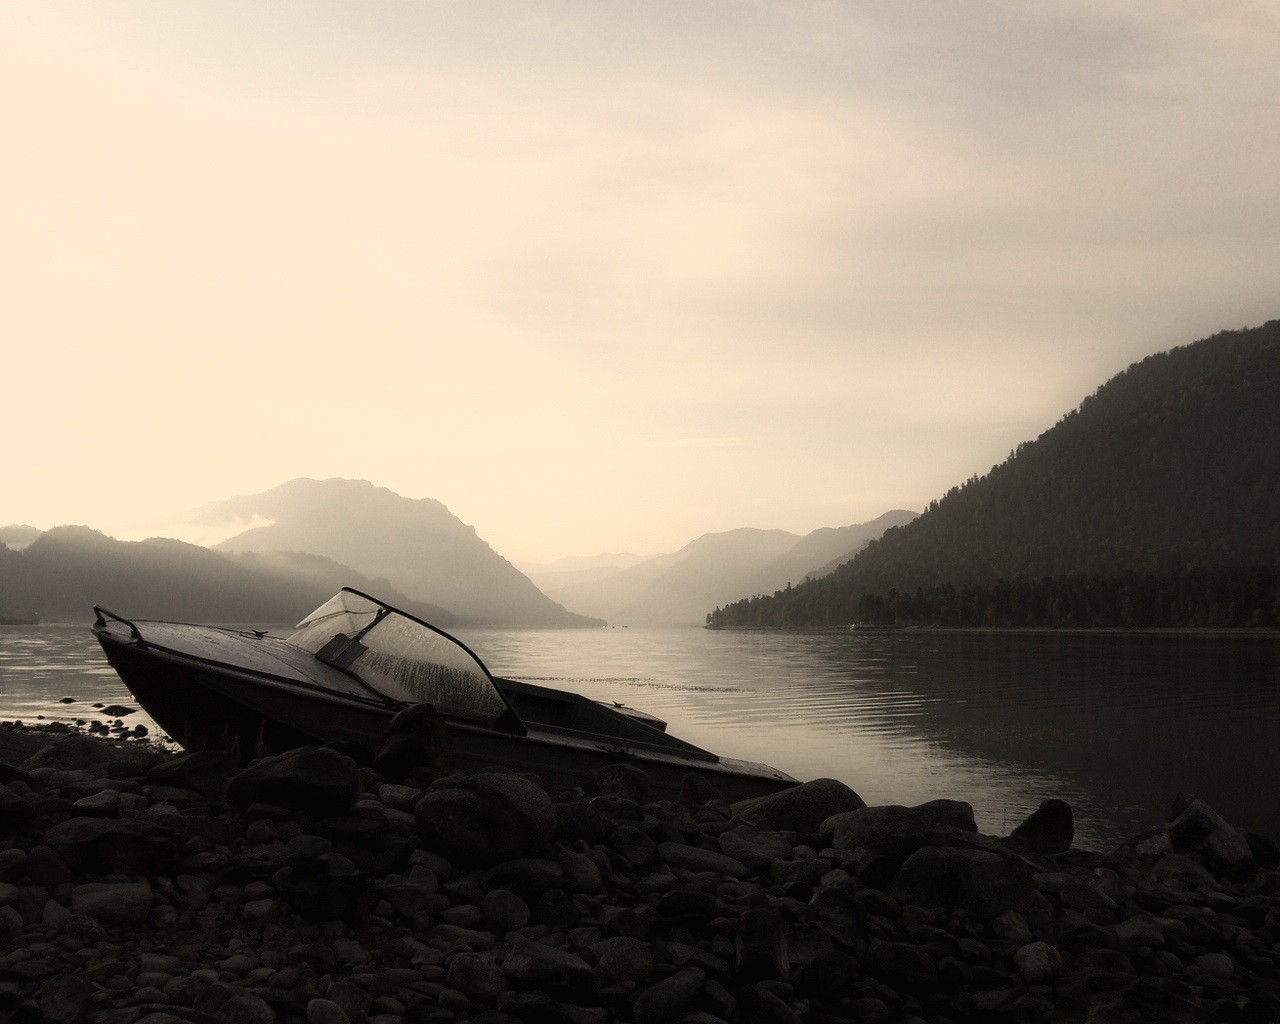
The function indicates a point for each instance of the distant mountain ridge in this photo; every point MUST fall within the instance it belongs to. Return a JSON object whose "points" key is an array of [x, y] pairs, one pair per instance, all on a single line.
{"points": [[607, 561], [819, 552], [679, 588], [417, 544], [16, 537], [1161, 487], [299, 542], [65, 571]]}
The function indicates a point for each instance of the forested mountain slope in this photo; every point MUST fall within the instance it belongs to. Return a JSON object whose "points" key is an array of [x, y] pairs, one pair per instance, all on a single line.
{"points": [[1153, 502]]}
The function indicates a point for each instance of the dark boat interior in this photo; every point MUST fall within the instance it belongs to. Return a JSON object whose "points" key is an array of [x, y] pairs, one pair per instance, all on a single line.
{"points": [[577, 715]]}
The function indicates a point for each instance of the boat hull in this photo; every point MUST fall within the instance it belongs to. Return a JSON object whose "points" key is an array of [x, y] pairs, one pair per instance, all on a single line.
{"points": [[204, 705]]}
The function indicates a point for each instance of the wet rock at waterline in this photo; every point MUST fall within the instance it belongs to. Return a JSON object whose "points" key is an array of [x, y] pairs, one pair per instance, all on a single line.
{"points": [[72, 752], [801, 809], [1197, 830], [152, 896], [1048, 829]]}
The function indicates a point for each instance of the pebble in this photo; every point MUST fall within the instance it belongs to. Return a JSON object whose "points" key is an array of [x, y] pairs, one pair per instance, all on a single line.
{"points": [[1216, 965], [326, 1011], [667, 1000], [538, 965], [476, 976], [1038, 963]]}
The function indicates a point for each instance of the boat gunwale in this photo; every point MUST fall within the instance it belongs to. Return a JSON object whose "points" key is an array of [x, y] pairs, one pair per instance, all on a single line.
{"points": [[538, 732], [381, 701], [539, 735]]}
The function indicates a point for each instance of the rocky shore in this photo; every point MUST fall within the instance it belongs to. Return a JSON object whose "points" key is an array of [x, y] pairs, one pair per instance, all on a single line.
{"points": [[139, 885]]}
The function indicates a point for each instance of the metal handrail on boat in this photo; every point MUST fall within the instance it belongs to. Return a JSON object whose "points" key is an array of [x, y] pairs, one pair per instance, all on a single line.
{"points": [[102, 614]]}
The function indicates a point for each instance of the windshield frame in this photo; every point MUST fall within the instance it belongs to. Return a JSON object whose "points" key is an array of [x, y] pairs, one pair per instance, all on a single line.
{"points": [[507, 721]]}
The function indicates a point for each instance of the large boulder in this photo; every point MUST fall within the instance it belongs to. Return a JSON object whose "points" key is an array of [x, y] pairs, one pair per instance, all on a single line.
{"points": [[74, 752], [313, 779], [757, 849], [760, 946], [537, 965], [326, 887], [800, 809], [893, 832], [698, 858], [66, 999], [624, 780], [669, 998], [416, 743], [204, 771], [980, 883], [125, 904], [947, 814], [1047, 830], [586, 820], [1198, 831], [104, 846], [1265, 851], [12, 773], [14, 810], [487, 818]]}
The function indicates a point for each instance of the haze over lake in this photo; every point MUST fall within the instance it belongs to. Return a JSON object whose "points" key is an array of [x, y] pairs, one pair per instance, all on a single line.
{"points": [[1115, 723]]}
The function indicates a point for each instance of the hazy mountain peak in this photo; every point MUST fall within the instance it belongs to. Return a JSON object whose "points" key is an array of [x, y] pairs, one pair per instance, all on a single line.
{"points": [[334, 496], [16, 537], [679, 588], [742, 536], [417, 544], [68, 570], [72, 535]]}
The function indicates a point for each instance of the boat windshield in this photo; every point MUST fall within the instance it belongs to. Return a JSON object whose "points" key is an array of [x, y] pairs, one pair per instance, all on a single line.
{"points": [[400, 657]]}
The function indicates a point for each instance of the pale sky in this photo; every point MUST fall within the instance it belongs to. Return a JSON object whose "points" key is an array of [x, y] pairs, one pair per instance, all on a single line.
{"points": [[607, 276]]}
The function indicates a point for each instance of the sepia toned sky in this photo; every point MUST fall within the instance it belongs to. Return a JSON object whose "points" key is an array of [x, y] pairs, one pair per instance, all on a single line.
{"points": [[606, 276]]}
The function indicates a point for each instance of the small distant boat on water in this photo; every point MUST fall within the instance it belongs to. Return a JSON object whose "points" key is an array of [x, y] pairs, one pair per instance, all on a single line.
{"points": [[355, 662]]}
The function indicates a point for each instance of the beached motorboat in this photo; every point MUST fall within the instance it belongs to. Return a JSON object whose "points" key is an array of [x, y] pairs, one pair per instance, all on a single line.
{"points": [[351, 665]]}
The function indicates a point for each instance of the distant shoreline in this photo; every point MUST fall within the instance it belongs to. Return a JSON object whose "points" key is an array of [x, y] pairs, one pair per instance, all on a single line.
{"points": [[1206, 631]]}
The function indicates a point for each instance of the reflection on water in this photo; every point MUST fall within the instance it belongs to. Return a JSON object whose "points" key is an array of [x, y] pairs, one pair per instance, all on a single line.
{"points": [[42, 665], [1114, 723]]}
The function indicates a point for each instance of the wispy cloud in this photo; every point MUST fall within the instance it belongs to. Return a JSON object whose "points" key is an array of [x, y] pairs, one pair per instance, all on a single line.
{"points": [[206, 534]]}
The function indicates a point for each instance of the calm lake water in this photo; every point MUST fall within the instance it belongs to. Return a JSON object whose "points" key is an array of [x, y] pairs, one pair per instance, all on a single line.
{"points": [[1114, 723]]}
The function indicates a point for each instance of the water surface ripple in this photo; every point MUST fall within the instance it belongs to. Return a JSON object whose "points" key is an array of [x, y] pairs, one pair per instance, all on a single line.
{"points": [[1115, 723]]}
